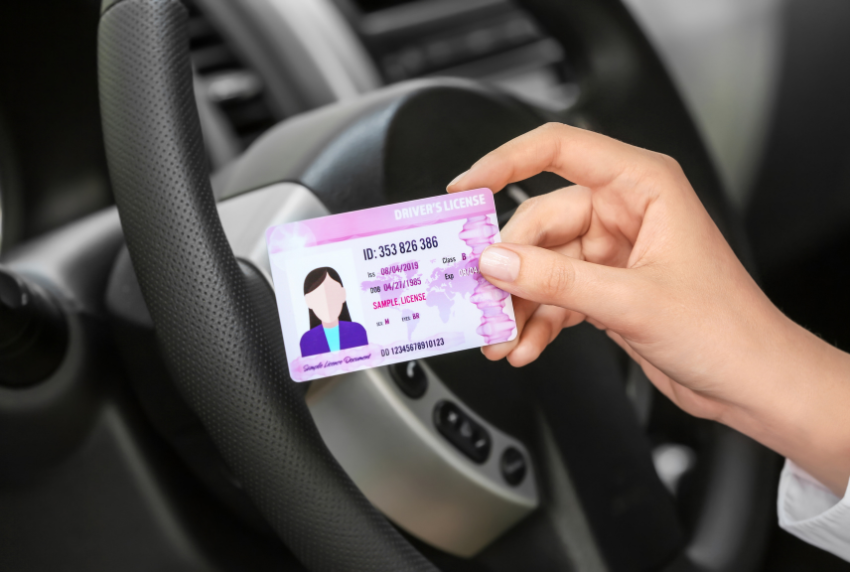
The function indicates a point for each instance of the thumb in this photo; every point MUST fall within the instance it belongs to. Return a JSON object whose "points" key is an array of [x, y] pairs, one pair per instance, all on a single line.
{"points": [[603, 293]]}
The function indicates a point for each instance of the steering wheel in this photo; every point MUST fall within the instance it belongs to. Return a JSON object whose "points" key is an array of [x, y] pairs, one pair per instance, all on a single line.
{"points": [[216, 320]]}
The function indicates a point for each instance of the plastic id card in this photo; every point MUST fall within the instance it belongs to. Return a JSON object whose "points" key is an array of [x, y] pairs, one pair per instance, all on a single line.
{"points": [[388, 284]]}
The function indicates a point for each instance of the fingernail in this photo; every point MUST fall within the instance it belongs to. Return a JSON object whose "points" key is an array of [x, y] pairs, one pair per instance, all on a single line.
{"points": [[456, 179], [499, 263]]}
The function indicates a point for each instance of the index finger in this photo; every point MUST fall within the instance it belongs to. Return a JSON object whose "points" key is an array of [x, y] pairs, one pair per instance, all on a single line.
{"points": [[583, 157], [552, 219]]}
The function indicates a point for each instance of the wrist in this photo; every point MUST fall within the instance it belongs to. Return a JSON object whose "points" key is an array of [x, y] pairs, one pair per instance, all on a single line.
{"points": [[798, 393]]}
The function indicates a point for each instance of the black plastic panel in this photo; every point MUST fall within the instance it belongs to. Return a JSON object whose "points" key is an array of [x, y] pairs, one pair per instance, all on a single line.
{"points": [[462, 431]]}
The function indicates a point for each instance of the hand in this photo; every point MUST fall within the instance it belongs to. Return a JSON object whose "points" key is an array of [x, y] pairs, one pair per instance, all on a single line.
{"points": [[631, 249]]}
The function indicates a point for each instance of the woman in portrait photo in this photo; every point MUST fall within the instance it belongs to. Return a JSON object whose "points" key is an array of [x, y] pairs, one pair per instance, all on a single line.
{"points": [[331, 328]]}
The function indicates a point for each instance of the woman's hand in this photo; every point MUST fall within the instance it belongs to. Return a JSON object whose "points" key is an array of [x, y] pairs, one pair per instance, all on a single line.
{"points": [[631, 249]]}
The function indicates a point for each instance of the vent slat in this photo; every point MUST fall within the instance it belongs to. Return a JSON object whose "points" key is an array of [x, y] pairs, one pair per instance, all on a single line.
{"points": [[226, 81]]}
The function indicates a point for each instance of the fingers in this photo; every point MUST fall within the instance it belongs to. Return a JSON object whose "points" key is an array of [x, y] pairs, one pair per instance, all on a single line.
{"points": [[543, 327], [523, 310], [565, 221], [583, 157], [536, 326], [552, 219], [537, 332], [603, 293]]}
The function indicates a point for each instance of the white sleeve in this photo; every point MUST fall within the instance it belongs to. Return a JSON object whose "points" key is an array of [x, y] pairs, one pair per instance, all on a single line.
{"points": [[811, 512]]}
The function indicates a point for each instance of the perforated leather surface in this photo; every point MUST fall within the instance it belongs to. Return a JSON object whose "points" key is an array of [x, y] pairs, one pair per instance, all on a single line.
{"points": [[218, 328]]}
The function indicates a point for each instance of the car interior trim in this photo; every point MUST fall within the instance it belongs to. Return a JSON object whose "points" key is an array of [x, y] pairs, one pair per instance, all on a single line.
{"points": [[331, 44], [399, 18], [409, 470]]}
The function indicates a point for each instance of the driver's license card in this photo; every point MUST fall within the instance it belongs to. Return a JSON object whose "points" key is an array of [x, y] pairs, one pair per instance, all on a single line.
{"points": [[388, 284]]}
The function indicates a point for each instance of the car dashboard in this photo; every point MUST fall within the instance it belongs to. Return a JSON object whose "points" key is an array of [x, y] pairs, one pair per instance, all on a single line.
{"points": [[259, 61]]}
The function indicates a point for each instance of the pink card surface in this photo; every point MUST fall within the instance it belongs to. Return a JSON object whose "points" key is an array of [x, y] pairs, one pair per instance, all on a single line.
{"points": [[388, 284]]}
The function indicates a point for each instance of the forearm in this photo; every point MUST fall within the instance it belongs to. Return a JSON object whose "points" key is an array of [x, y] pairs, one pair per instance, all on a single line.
{"points": [[802, 407]]}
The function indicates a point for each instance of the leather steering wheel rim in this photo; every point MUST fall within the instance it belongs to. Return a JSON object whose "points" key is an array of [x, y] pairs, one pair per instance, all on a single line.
{"points": [[216, 321], [216, 327]]}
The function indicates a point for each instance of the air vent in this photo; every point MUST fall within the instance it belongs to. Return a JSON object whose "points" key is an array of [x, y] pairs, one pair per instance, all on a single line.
{"points": [[488, 40], [461, 46], [226, 82]]}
